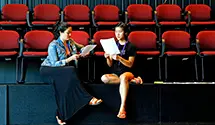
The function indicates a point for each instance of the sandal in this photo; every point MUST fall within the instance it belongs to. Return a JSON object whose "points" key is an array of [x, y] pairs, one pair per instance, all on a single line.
{"points": [[59, 121], [122, 115], [94, 101], [137, 80]]}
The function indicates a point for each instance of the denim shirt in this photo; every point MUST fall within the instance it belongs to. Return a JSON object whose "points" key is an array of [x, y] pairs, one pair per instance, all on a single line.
{"points": [[57, 53]]}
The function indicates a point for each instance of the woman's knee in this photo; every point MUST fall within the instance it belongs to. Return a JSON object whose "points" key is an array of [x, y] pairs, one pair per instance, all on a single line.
{"points": [[126, 76], [105, 79]]}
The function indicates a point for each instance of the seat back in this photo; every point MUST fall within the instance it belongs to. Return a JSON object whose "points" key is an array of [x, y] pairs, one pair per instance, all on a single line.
{"points": [[168, 12], [46, 12], [206, 40], [38, 39], [199, 12], [143, 40], [14, 12], [176, 39], [139, 12], [103, 34], [76, 12], [106, 13], [9, 40], [81, 37]]}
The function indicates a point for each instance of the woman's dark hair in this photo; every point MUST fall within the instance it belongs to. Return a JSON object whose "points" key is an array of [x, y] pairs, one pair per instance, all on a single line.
{"points": [[124, 27], [59, 27]]}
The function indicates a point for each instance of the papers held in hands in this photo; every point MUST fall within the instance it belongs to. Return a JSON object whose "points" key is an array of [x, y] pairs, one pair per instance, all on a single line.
{"points": [[87, 49], [109, 46]]}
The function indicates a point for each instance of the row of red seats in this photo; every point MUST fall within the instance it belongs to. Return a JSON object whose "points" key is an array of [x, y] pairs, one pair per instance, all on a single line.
{"points": [[174, 43], [106, 15]]}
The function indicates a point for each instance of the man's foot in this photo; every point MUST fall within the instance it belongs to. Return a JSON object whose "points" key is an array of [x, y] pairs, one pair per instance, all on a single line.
{"points": [[137, 80], [122, 115], [59, 121], [95, 101]]}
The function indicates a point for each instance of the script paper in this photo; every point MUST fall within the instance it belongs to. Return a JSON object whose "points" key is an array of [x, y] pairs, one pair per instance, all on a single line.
{"points": [[87, 49], [109, 46]]}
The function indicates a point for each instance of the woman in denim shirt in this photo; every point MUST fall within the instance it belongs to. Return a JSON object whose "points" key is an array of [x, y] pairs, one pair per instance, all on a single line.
{"points": [[57, 55], [70, 95]]}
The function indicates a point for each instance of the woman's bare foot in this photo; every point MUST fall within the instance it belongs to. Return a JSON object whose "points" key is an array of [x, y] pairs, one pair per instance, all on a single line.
{"points": [[59, 121], [95, 101], [137, 80]]}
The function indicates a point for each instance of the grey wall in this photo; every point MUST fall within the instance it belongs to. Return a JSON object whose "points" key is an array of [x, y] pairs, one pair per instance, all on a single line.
{"points": [[7, 72], [3, 104]]}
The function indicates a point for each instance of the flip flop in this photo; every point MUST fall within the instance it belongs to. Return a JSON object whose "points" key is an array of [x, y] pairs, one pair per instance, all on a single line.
{"points": [[140, 79], [59, 121], [137, 80], [122, 115], [94, 101]]}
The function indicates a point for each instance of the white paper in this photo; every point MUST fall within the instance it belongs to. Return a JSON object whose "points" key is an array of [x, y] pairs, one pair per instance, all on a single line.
{"points": [[87, 49], [109, 46]]}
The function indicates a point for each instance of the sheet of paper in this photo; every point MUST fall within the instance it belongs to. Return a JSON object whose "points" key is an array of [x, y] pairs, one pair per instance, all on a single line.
{"points": [[87, 49], [109, 46]]}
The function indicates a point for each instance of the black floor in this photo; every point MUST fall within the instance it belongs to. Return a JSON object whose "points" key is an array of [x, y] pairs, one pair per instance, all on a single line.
{"points": [[160, 124]]}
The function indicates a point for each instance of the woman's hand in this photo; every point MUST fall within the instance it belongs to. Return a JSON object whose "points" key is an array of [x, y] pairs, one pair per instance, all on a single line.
{"points": [[115, 57], [108, 59], [106, 55], [84, 55], [73, 57]]}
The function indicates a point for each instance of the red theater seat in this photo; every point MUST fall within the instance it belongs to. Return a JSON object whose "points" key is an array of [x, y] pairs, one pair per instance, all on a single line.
{"points": [[98, 51], [105, 16], [146, 44], [177, 44], [104, 34], [199, 14], [81, 37], [34, 45], [9, 46], [206, 46], [169, 16], [199, 18], [14, 16], [44, 16], [139, 16], [76, 15], [9, 43]]}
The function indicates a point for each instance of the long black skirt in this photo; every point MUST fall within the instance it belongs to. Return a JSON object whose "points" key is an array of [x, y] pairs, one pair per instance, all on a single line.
{"points": [[69, 93]]}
